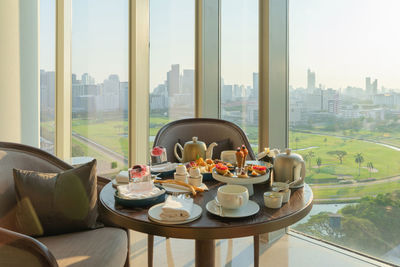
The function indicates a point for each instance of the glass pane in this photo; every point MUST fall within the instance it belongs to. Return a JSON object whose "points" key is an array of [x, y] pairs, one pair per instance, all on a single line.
{"points": [[47, 74], [99, 83], [171, 62], [239, 65], [344, 119]]}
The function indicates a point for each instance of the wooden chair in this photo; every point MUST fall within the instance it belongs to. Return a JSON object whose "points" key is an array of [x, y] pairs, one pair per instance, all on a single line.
{"points": [[208, 131]]}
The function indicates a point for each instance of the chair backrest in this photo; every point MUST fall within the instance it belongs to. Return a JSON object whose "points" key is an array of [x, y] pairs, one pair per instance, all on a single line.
{"points": [[26, 158], [207, 130]]}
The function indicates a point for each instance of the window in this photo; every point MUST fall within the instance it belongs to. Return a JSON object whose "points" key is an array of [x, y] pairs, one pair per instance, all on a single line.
{"points": [[100, 83], [171, 62], [47, 75], [344, 120], [239, 65]]}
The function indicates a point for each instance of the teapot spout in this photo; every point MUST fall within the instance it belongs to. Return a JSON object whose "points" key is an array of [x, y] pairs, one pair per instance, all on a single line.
{"points": [[210, 149]]}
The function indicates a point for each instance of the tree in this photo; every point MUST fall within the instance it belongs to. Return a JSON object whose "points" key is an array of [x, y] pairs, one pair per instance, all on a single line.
{"points": [[359, 159], [338, 153], [325, 140], [310, 155], [319, 162], [370, 167]]}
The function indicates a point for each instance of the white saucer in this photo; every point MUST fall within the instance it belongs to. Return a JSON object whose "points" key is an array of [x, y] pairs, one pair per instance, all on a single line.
{"points": [[115, 183], [155, 211], [180, 189], [250, 209]]}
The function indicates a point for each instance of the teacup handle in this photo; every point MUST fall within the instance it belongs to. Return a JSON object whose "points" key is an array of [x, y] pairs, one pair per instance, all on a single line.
{"points": [[241, 201]]}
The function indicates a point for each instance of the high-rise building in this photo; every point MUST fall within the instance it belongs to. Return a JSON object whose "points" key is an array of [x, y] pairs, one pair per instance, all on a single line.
{"points": [[371, 88], [310, 80], [375, 87], [255, 85], [368, 85], [173, 80], [227, 93], [188, 82]]}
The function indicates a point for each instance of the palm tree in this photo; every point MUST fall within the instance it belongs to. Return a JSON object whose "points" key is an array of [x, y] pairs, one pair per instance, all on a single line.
{"points": [[370, 167], [325, 140], [359, 159], [310, 155], [319, 162]]}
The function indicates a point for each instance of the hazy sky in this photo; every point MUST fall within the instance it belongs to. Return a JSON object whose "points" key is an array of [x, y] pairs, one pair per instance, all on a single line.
{"points": [[343, 41]]}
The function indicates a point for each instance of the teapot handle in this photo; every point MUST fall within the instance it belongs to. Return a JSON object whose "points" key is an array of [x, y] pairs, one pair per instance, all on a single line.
{"points": [[176, 152], [303, 172]]}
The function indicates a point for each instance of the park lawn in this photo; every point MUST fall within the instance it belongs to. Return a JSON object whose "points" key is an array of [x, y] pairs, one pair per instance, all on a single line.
{"points": [[109, 133], [386, 160], [87, 151], [358, 191]]}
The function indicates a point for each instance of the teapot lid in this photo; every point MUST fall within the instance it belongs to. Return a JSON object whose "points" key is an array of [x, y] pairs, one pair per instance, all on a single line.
{"points": [[195, 141]]}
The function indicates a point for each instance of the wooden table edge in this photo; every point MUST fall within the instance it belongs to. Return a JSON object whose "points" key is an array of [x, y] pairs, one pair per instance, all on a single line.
{"points": [[200, 233]]}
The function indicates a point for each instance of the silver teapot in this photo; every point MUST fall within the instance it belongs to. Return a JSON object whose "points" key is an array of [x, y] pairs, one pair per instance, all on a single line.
{"points": [[289, 168]]}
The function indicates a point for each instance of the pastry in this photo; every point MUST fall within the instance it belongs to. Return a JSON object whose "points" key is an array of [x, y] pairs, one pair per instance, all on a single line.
{"points": [[239, 157], [243, 175], [221, 168], [253, 173], [260, 169], [228, 174], [192, 188], [245, 153], [209, 161]]}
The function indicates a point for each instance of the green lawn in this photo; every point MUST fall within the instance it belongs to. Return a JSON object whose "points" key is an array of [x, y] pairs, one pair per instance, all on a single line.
{"points": [[385, 160]]}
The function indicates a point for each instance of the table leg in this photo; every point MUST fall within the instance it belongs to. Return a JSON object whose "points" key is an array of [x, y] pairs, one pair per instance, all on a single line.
{"points": [[150, 245], [256, 241], [205, 253]]}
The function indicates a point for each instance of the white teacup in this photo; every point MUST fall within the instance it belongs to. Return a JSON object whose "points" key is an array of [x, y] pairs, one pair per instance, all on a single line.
{"points": [[232, 196], [228, 156]]}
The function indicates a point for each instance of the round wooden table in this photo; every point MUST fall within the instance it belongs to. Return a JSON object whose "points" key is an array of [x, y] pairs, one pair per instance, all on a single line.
{"points": [[210, 227]]}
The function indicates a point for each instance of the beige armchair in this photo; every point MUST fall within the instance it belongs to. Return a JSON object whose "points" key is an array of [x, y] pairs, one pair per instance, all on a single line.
{"points": [[108, 246]]}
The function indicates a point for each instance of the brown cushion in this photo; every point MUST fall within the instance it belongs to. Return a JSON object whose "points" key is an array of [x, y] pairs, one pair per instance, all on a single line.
{"points": [[101, 247], [55, 203]]}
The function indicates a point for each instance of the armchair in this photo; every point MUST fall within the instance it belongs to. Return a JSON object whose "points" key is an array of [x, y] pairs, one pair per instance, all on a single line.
{"points": [[106, 246]]}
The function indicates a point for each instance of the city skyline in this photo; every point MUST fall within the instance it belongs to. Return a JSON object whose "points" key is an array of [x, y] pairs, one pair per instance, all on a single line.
{"points": [[341, 52]]}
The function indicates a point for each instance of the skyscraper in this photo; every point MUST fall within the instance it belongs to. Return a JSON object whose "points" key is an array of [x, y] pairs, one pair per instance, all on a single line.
{"points": [[310, 80], [368, 85], [173, 80], [371, 88], [255, 85]]}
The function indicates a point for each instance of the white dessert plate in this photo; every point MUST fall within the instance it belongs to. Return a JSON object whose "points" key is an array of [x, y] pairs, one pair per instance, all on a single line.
{"points": [[250, 209], [155, 211], [242, 181], [180, 189]]}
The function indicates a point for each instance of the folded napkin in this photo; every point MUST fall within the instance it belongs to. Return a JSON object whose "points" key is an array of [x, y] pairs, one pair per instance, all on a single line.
{"points": [[176, 209], [164, 167], [127, 192], [122, 177]]}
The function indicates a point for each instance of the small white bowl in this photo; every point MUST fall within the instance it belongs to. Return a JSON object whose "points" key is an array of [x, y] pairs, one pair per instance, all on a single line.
{"points": [[181, 178], [273, 200], [279, 186], [196, 181]]}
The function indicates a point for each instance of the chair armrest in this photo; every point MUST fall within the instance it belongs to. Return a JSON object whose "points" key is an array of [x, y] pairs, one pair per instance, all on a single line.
{"points": [[16, 249], [101, 182]]}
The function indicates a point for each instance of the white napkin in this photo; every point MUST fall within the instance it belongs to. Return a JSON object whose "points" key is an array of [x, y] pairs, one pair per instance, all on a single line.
{"points": [[122, 177], [164, 167], [176, 209], [126, 192]]}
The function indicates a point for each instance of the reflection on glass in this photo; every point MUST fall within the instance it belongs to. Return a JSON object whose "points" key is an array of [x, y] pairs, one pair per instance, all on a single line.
{"points": [[47, 75], [239, 65], [99, 83], [344, 120], [171, 62]]}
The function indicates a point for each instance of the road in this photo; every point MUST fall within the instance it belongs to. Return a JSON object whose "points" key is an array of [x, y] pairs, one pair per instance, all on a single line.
{"points": [[380, 181], [102, 149]]}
